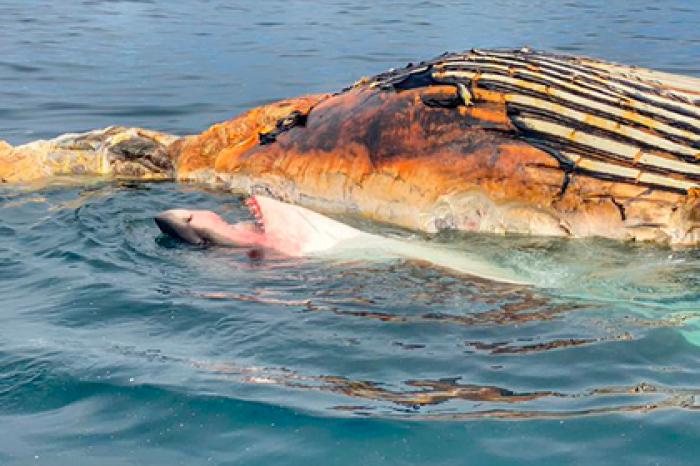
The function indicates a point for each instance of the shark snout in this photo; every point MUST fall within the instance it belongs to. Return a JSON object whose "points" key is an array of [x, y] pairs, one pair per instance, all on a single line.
{"points": [[176, 223]]}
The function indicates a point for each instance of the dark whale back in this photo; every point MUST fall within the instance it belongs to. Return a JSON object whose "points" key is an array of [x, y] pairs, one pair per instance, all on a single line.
{"points": [[485, 140]]}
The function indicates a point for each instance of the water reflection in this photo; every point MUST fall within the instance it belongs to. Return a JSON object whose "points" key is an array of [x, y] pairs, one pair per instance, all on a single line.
{"points": [[100, 316]]}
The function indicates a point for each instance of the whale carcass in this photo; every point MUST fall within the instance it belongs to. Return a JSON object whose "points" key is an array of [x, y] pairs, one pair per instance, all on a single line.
{"points": [[501, 141]]}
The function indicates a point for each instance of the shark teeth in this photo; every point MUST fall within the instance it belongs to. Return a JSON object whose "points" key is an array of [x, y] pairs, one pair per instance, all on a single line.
{"points": [[256, 212]]}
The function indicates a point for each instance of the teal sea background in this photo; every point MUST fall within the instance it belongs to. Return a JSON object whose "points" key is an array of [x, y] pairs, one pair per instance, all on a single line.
{"points": [[119, 346]]}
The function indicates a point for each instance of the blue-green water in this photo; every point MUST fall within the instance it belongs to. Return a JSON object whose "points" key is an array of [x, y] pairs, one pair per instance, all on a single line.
{"points": [[119, 346], [122, 346]]}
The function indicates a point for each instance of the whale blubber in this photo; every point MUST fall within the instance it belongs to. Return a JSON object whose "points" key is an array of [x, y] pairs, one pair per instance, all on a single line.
{"points": [[500, 141]]}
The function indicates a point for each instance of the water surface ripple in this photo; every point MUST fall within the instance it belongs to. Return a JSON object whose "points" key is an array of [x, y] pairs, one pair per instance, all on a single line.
{"points": [[113, 331], [119, 346]]}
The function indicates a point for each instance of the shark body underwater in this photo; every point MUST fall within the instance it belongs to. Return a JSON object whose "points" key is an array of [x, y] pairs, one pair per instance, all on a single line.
{"points": [[295, 231], [496, 141]]}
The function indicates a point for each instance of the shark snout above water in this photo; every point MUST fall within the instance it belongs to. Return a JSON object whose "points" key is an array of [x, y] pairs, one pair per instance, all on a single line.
{"points": [[176, 223]]}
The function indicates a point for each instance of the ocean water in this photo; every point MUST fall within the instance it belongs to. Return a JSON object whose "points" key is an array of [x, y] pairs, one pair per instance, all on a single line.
{"points": [[119, 346]]}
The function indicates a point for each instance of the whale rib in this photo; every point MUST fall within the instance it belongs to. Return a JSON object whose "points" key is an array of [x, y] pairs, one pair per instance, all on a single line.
{"points": [[605, 121]]}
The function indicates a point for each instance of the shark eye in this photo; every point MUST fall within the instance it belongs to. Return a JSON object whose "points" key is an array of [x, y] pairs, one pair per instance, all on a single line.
{"points": [[189, 219]]}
